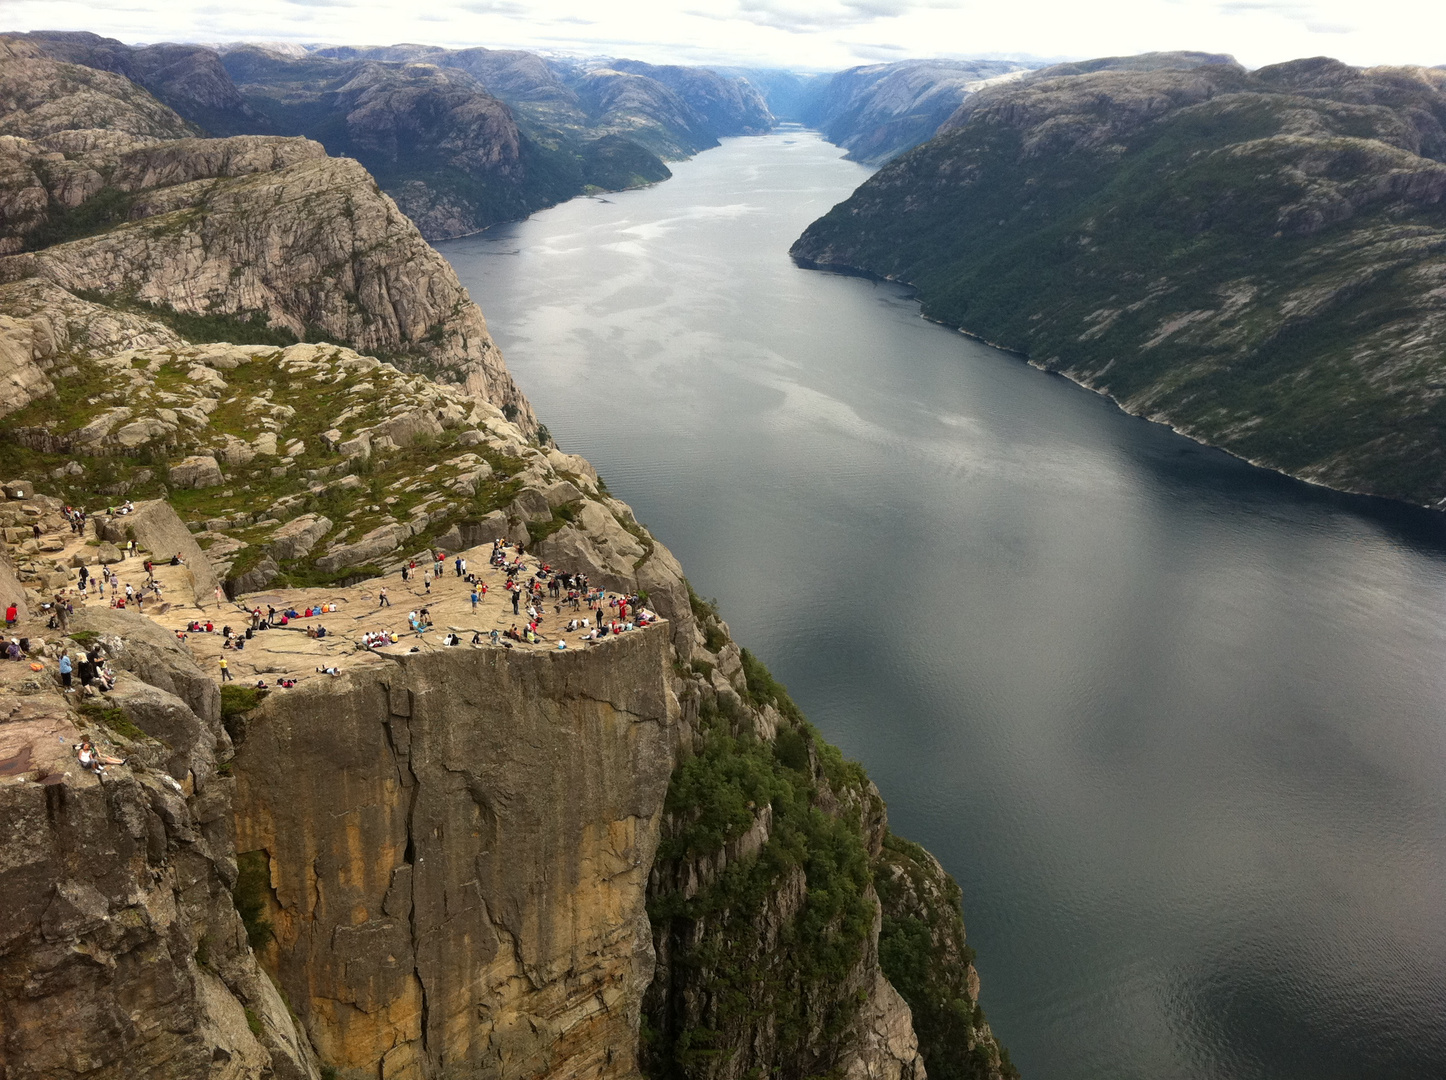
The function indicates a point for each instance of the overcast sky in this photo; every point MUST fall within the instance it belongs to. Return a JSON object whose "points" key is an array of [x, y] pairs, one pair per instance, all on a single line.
{"points": [[812, 34]]}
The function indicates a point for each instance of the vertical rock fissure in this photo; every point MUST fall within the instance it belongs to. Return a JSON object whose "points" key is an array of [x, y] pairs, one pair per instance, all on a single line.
{"points": [[410, 858]]}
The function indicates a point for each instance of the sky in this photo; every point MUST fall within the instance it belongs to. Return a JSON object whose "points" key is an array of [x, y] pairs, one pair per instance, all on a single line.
{"points": [[821, 35]]}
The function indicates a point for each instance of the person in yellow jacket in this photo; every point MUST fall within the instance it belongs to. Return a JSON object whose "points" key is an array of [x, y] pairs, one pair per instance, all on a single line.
{"points": [[225, 671]]}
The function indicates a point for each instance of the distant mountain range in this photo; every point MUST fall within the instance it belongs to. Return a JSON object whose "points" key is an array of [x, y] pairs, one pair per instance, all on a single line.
{"points": [[461, 139]]}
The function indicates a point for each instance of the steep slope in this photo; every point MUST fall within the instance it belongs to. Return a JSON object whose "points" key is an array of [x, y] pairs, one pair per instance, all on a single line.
{"points": [[1255, 258], [879, 111], [173, 231], [449, 152], [122, 953]]}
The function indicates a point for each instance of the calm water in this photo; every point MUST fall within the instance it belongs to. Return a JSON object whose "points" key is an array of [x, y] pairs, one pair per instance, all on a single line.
{"points": [[1174, 723]]}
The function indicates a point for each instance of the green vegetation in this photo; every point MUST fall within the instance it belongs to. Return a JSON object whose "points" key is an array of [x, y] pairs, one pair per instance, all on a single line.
{"points": [[254, 1022], [236, 700], [923, 953], [253, 889], [614, 163], [795, 973], [114, 719], [104, 210], [1266, 290]]}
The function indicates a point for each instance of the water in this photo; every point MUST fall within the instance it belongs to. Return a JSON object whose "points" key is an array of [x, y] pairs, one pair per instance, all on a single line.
{"points": [[1174, 723]]}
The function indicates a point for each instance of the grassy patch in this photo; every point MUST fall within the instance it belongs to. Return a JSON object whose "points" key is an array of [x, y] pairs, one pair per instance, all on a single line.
{"points": [[236, 700], [253, 887], [115, 720]]}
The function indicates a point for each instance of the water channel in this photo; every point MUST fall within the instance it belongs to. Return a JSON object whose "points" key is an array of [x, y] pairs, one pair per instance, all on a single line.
{"points": [[1174, 723]]}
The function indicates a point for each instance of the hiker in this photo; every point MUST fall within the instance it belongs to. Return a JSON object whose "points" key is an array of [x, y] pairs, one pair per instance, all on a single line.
{"points": [[225, 670], [12, 616], [382, 598]]}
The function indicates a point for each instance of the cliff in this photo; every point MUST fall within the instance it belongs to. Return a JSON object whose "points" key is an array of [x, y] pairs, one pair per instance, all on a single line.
{"points": [[1253, 258], [617, 857], [122, 954], [171, 230], [463, 895]]}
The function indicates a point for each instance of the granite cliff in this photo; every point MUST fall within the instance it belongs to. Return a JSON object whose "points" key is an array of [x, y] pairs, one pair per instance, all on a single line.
{"points": [[248, 238], [1252, 257], [628, 857]]}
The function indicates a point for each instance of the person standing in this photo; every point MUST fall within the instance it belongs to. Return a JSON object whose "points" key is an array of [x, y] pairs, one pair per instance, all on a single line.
{"points": [[65, 670], [383, 600], [516, 600], [475, 598], [225, 671]]}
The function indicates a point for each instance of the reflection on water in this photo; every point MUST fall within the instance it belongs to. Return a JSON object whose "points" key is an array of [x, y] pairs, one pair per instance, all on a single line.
{"points": [[1174, 723]]}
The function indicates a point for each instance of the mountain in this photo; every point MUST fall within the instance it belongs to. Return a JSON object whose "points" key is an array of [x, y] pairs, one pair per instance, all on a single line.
{"points": [[462, 139], [188, 78], [252, 238], [1252, 257], [318, 857], [879, 111]]}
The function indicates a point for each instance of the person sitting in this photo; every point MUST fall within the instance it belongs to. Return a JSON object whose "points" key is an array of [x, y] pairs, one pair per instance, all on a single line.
{"points": [[176, 559], [286, 683], [12, 649], [495, 636], [451, 639], [321, 631], [261, 684], [477, 637], [105, 679], [329, 670]]}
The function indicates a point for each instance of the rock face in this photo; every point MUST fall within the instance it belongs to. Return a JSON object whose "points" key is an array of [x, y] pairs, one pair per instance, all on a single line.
{"points": [[187, 78], [122, 954], [466, 897], [173, 225], [1253, 258], [156, 529], [42, 97]]}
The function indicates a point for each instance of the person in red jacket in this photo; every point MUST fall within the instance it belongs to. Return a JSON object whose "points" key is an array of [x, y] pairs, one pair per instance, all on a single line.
{"points": [[12, 616]]}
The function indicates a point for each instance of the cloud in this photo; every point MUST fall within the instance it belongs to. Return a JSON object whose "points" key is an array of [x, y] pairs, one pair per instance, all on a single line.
{"points": [[804, 16]]}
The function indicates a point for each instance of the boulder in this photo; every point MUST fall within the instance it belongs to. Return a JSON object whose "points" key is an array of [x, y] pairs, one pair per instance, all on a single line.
{"points": [[236, 451], [371, 547], [563, 491], [108, 555], [196, 472], [11, 591], [492, 527], [258, 576], [19, 489], [156, 528], [139, 432], [409, 427], [297, 537], [531, 505], [360, 446]]}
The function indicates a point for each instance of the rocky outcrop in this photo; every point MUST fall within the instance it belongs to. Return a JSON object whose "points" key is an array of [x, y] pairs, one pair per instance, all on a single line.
{"points": [[23, 376], [187, 78], [42, 96], [157, 530], [465, 896], [1251, 257], [122, 954], [331, 255]]}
